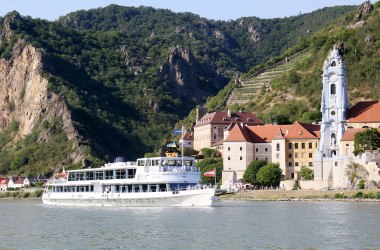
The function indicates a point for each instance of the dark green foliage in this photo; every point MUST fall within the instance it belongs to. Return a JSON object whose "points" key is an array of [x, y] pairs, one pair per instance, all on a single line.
{"points": [[210, 153], [366, 140], [269, 175], [361, 184], [306, 173], [187, 151], [210, 164], [107, 65], [251, 171], [32, 158], [358, 195], [339, 196], [296, 185]]}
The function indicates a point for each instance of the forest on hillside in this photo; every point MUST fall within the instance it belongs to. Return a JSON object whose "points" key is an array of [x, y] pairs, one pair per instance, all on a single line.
{"points": [[129, 74]]}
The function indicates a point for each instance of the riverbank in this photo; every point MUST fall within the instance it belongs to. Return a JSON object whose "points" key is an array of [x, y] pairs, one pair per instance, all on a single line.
{"points": [[22, 194], [304, 195]]}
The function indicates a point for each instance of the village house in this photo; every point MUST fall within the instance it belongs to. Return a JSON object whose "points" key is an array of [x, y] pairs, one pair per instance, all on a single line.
{"points": [[209, 129], [18, 182], [4, 183], [187, 140], [291, 146]]}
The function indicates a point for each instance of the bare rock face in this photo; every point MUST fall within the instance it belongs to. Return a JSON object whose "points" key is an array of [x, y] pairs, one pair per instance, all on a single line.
{"points": [[363, 12], [255, 36], [365, 9], [369, 40], [24, 95], [181, 69]]}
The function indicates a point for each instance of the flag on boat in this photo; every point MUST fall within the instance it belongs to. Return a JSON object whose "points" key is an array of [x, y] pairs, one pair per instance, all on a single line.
{"points": [[63, 174], [171, 145], [210, 173], [177, 131]]}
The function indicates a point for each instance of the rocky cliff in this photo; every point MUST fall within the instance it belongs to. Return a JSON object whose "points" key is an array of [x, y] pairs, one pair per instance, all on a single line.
{"points": [[26, 100]]}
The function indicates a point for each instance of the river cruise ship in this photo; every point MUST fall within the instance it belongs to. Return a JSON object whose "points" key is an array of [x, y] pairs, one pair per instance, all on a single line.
{"points": [[159, 181]]}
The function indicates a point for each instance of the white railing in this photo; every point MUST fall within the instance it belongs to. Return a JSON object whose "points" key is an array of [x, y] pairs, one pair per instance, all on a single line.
{"points": [[60, 180]]}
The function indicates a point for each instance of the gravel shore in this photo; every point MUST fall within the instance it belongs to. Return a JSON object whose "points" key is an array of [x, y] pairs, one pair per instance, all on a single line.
{"points": [[298, 195]]}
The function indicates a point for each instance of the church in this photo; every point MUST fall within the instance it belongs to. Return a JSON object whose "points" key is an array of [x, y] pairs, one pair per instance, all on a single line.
{"points": [[326, 147], [339, 125]]}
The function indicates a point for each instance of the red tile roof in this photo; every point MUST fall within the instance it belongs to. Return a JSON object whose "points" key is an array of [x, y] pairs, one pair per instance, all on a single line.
{"points": [[188, 136], [349, 134], [303, 131], [4, 180], [223, 118], [239, 134], [266, 133], [368, 111], [19, 180], [217, 143]]}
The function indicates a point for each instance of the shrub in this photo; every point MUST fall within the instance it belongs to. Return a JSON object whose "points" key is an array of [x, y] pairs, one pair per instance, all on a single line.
{"points": [[358, 195], [38, 193], [25, 195], [296, 186], [306, 173], [361, 184], [376, 195], [15, 194], [339, 196], [368, 196]]}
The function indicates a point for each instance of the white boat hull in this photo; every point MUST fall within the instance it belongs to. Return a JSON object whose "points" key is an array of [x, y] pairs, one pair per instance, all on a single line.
{"points": [[185, 198]]}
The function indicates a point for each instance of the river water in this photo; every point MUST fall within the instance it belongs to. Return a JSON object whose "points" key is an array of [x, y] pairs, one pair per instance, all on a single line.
{"points": [[229, 225]]}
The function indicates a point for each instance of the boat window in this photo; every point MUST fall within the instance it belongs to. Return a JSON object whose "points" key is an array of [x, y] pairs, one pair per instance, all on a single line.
{"points": [[120, 174], [89, 175], [144, 187], [71, 177], [131, 173], [171, 162], [179, 163], [188, 163], [80, 176], [136, 188], [109, 174], [153, 188], [157, 162], [164, 163], [98, 175], [162, 187]]}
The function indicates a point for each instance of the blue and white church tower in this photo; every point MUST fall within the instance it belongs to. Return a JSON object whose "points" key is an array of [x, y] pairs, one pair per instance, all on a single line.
{"points": [[334, 106]]}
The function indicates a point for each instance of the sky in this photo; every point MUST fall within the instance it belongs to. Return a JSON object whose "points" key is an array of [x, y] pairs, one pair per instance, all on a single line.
{"points": [[211, 9]]}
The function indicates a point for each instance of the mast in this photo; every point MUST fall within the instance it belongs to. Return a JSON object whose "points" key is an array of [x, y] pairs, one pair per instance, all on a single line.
{"points": [[182, 144]]}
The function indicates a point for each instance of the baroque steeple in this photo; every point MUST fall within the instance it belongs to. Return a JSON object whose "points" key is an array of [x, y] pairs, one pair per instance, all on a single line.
{"points": [[334, 104]]}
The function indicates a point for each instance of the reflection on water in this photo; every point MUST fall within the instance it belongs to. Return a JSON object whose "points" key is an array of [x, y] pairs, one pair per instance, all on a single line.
{"points": [[242, 225]]}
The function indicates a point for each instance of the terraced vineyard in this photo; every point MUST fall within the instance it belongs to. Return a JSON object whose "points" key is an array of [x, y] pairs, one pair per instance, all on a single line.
{"points": [[251, 87]]}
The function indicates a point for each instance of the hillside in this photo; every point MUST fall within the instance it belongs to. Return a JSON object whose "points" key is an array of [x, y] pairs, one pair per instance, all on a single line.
{"points": [[283, 92], [113, 81]]}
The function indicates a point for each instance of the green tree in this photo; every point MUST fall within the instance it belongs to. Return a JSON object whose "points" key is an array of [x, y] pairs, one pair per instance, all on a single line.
{"points": [[306, 173], [210, 164], [209, 152], [187, 151], [366, 140], [269, 175], [251, 171]]}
